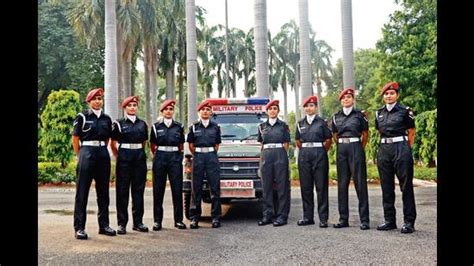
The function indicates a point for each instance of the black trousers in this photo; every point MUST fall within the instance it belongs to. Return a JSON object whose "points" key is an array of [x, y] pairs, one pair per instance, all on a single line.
{"points": [[313, 167], [350, 162], [206, 164], [167, 165], [275, 170], [396, 159], [130, 174], [94, 164]]}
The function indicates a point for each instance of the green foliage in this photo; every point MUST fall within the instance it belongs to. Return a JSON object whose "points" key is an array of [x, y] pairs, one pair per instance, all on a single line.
{"points": [[53, 172], [64, 61], [410, 53], [331, 104], [425, 145], [292, 124], [56, 125], [372, 145], [426, 173]]}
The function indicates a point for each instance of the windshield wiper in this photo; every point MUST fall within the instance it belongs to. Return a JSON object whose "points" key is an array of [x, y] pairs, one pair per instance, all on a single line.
{"points": [[248, 137], [228, 136]]}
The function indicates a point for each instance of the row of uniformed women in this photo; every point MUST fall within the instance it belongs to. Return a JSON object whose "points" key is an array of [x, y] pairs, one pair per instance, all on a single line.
{"points": [[91, 134], [350, 131]]}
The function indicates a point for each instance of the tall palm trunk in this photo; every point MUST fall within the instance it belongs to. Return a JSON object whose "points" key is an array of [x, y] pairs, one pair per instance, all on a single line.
{"points": [[146, 59], [285, 98], [110, 73], [320, 102], [181, 93], [246, 83], [305, 52], [153, 87], [191, 60], [120, 63], [261, 48], [127, 74], [234, 82], [347, 46], [170, 90], [297, 93]]}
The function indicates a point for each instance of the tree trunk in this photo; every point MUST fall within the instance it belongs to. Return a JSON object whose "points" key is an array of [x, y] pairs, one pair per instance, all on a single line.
{"points": [[146, 59], [153, 87], [261, 48], [305, 50], [181, 94], [191, 60], [120, 64], [285, 98], [110, 73], [320, 100], [234, 83], [246, 84], [297, 94], [347, 46], [170, 94]]}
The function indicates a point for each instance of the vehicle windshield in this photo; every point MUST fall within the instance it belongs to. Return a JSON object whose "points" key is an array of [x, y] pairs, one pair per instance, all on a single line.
{"points": [[239, 126]]}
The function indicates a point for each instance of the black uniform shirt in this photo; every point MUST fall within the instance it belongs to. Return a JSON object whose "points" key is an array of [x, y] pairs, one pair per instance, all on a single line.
{"points": [[394, 123], [318, 131], [161, 135], [349, 126], [204, 136], [88, 127], [126, 131], [278, 133]]}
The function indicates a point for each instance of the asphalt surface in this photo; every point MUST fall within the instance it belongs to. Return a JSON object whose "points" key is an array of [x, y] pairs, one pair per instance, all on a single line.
{"points": [[239, 240]]}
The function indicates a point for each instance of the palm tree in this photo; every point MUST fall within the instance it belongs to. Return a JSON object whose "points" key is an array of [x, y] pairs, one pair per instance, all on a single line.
{"points": [[128, 31], [149, 25], [247, 57], [322, 68], [111, 100], [281, 44], [291, 31], [191, 55], [305, 50], [347, 47], [261, 49]]}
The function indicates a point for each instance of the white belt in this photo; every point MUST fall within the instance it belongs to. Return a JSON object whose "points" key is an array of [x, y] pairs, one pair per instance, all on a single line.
{"points": [[168, 148], [394, 139], [204, 149], [311, 144], [347, 140], [132, 146], [96, 143], [272, 145]]}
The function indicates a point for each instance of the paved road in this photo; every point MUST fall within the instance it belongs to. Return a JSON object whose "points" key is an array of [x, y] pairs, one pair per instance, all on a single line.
{"points": [[240, 240]]}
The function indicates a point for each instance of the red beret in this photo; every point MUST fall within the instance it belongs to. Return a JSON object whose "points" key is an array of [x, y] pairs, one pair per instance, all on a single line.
{"points": [[93, 93], [203, 104], [130, 99], [310, 99], [346, 91], [271, 103], [390, 86], [166, 103]]}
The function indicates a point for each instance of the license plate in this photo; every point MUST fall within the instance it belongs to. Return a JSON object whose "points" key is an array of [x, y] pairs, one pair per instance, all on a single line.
{"points": [[236, 184], [237, 189], [238, 193]]}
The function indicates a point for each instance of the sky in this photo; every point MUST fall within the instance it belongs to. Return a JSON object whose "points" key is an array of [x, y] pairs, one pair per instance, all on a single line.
{"points": [[368, 17]]}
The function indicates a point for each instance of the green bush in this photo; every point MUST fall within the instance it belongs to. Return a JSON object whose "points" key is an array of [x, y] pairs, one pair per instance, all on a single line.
{"points": [[426, 173], [424, 148], [53, 172], [55, 142]]}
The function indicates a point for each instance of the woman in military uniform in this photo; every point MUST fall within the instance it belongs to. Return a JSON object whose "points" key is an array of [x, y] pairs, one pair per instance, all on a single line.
{"points": [[204, 138], [90, 137], [130, 134], [350, 129], [274, 135], [167, 138], [313, 138], [396, 124]]}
